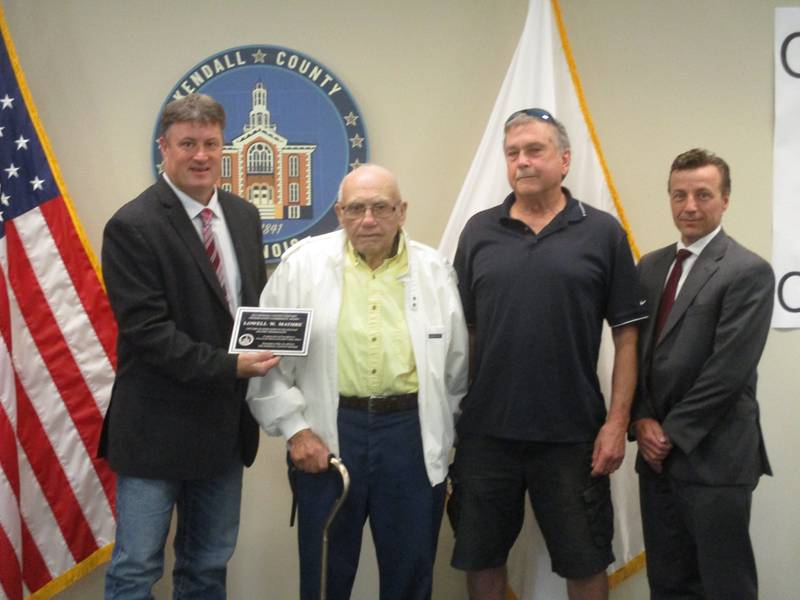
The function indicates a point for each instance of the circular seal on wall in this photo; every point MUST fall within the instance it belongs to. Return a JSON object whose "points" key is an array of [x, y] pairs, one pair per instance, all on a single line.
{"points": [[293, 131]]}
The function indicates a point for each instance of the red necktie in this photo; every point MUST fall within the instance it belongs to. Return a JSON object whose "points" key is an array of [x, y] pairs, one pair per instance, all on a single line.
{"points": [[206, 215], [668, 295]]}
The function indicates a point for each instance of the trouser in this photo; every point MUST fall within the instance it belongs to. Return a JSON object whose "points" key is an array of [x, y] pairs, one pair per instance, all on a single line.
{"points": [[208, 525], [697, 540], [388, 485]]}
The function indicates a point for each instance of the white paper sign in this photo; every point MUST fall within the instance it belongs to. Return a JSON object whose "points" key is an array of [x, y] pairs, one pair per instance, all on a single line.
{"points": [[786, 170]]}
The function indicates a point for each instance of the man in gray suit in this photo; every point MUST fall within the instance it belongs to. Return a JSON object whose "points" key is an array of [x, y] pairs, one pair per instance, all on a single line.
{"points": [[695, 417]]}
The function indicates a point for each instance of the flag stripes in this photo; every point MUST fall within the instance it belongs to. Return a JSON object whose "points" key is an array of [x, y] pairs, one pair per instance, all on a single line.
{"points": [[54, 351], [10, 573], [84, 282]]}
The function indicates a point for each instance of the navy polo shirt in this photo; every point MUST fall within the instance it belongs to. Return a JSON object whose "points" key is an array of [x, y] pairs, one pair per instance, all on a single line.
{"points": [[537, 304]]}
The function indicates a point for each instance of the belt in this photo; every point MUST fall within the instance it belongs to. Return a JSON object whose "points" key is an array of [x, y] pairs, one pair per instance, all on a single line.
{"points": [[380, 404]]}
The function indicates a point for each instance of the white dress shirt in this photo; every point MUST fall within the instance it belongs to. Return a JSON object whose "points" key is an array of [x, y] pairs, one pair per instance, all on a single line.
{"points": [[695, 249], [222, 237]]}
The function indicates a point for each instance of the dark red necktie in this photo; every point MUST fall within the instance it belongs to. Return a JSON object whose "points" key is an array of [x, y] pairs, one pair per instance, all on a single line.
{"points": [[206, 215], [668, 295]]}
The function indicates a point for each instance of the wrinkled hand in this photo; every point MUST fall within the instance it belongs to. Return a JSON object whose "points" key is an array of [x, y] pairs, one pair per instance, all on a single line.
{"points": [[654, 445], [609, 449], [255, 364], [308, 452]]}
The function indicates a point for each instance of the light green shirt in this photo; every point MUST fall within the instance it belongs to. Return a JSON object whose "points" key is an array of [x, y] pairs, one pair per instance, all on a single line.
{"points": [[374, 352]]}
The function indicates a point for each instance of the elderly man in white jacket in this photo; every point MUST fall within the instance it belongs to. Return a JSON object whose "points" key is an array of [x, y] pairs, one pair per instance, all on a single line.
{"points": [[386, 369]]}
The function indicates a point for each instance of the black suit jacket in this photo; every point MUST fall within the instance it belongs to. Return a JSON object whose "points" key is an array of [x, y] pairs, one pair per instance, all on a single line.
{"points": [[699, 378], [177, 409]]}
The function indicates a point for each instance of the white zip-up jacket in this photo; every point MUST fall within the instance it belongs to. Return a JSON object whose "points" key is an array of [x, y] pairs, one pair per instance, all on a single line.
{"points": [[302, 392]]}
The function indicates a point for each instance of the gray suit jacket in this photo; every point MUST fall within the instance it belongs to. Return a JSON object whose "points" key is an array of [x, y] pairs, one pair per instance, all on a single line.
{"points": [[699, 378], [177, 409]]}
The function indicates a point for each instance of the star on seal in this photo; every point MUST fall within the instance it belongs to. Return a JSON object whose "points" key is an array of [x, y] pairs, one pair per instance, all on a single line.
{"points": [[356, 141]]}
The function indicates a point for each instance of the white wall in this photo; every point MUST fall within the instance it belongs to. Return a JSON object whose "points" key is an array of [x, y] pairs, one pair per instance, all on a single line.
{"points": [[660, 77]]}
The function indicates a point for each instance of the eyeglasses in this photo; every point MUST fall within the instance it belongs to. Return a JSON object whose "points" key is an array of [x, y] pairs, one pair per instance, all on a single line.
{"points": [[357, 210], [538, 113]]}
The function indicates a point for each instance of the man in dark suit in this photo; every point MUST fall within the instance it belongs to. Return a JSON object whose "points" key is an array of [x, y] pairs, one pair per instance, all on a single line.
{"points": [[178, 260], [696, 418]]}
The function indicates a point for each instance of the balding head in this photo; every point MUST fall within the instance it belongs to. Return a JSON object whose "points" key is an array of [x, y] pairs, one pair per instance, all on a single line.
{"points": [[368, 171], [371, 212]]}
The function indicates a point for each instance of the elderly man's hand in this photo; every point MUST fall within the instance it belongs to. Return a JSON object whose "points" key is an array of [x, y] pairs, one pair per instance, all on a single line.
{"points": [[255, 364], [308, 452]]}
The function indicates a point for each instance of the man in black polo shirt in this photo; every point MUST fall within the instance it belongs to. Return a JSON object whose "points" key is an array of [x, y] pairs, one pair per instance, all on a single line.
{"points": [[538, 274]]}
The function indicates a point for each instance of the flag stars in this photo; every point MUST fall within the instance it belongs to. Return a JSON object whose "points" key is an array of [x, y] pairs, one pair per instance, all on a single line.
{"points": [[4, 198], [22, 143], [2, 129], [12, 171], [36, 183], [356, 141], [6, 102]]}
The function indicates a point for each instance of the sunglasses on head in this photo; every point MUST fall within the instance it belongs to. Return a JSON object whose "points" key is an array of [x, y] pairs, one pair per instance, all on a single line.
{"points": [[538, 113]]}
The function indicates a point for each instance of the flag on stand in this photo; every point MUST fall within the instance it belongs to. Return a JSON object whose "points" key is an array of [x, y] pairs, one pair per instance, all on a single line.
{"points": [[57, 360], [543, 74]]}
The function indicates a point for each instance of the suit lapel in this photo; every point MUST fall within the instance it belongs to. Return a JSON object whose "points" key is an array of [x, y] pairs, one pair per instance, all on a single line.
{"points": [[704, 268], [177, 217]]}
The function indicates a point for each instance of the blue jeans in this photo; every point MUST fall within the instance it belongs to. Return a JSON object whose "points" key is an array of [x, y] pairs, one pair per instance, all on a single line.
{"points": [[208, 524], [389, 484]]}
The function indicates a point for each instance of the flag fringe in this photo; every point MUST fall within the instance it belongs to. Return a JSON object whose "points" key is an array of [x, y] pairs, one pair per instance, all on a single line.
{"points": [[45, 142], [629, 569], [66, 579], [576, 81]]}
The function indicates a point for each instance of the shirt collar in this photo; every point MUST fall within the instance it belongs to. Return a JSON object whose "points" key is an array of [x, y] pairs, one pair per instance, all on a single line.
{"points": [[192, 206], [697, 247], [573, 211]]}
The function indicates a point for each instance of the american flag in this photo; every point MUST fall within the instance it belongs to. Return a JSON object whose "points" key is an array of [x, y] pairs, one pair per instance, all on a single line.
{"points": [[57, 361]]}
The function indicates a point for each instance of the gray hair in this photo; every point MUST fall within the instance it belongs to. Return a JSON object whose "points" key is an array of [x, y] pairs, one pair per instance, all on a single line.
{"points": [[522, 118]]}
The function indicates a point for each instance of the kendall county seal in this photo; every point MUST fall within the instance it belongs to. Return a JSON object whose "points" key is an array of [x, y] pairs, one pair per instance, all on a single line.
{"points": [[292, 132]]}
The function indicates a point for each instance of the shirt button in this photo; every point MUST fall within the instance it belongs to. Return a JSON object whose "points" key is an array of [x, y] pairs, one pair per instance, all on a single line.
{"points": [[374, 371], [373, 339], [374, 307]]}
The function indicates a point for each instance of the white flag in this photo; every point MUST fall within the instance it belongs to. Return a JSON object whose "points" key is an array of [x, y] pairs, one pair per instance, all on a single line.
{"points": [[540, 76]]}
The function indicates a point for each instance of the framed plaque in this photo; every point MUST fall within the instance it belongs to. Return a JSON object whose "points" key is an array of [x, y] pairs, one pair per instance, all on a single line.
{"points": [[282, 331]]}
